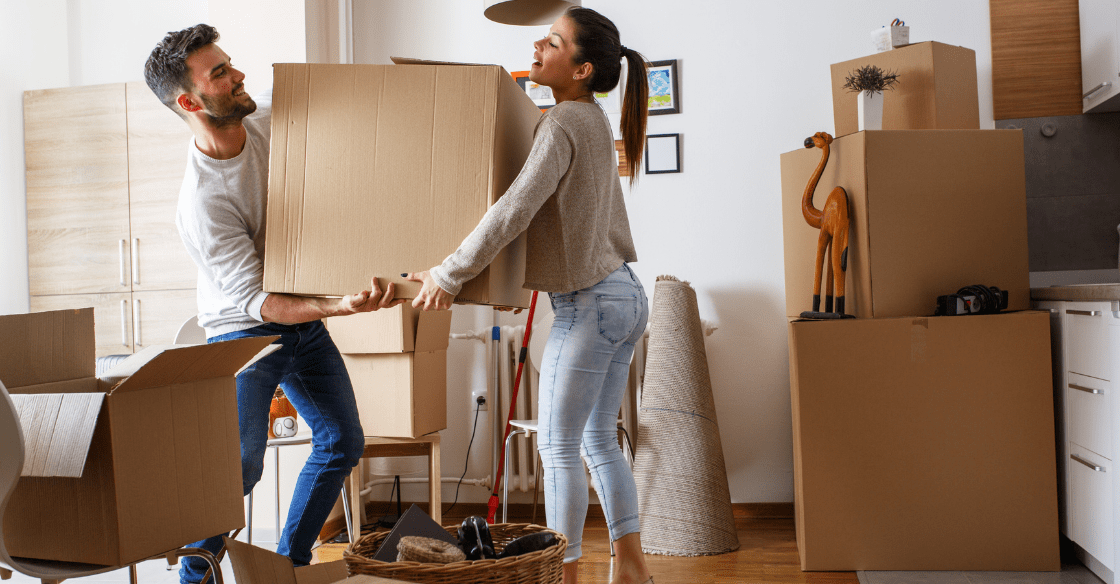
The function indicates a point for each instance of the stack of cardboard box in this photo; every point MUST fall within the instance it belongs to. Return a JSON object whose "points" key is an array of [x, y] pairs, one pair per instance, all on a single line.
{"points": [[920, 442], [397, 360]]}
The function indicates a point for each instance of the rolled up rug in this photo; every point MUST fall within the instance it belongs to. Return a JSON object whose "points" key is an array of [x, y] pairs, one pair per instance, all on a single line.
{"points": [[683, 497]]}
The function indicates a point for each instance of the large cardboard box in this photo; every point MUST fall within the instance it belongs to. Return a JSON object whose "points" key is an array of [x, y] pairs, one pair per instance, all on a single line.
{"points": [[931, 212], [139, 462], [397, 361], [924, 443], [254, 565], [377, 170], [936, 89]]}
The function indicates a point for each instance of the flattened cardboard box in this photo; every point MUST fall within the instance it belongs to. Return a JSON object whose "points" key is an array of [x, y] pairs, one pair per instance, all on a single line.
{"points": [[254, 565], [936, 89], [932, 211], [137, 463], [377, 170], [401, 329], [924, 443]]}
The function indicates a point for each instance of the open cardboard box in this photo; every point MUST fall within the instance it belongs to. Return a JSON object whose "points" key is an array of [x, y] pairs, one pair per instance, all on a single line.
{"points": [[397, 361], [377, 170], [254, 565], [400, 329], [141, 461]]}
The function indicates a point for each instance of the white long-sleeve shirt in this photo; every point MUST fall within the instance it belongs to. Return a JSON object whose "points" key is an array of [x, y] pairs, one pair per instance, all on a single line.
{"points": [[221, 218]]}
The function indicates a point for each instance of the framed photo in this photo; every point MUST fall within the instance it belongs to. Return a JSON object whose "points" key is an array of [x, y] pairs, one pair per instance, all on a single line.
{"points": [[541, 95], [664, 96], [663, 153]]}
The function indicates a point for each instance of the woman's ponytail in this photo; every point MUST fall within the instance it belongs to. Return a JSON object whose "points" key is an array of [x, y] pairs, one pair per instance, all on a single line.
{"points": [[598, 43], [635, 110]]}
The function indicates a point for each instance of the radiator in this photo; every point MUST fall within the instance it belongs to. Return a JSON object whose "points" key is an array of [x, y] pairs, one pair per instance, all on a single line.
{"points": [[523, 450]]}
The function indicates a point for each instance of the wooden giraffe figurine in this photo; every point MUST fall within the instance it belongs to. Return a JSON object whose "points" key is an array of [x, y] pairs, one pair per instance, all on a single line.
{"points": [[833, 222]]}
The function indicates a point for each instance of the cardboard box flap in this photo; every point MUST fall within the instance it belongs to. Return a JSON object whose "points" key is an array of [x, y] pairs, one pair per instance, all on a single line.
{"points": [[57, 430], [170, 364], [411, 61], [43, 347], [253, 565], [433, 331], [325, 573]]}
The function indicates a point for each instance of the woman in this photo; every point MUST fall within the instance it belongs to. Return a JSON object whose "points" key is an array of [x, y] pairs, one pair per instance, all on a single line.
{"points": [[569, 198]]}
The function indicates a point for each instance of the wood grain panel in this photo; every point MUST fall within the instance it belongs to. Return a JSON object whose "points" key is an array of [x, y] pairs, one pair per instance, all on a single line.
{"points": [[1036, 58], [157, 158], [112, 317], [77, 189], [157, 315]]}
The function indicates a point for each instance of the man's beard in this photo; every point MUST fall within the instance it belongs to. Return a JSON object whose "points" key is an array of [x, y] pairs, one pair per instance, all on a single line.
{"points": [[226, 110]]}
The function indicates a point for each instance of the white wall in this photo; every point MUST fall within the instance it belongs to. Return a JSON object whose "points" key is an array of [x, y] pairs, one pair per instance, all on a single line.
{"points": [[755, 81]]}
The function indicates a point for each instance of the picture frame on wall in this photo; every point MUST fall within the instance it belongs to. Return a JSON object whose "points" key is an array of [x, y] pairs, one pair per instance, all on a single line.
{"points": [[664, 94], [541, 95], [663, 153]]}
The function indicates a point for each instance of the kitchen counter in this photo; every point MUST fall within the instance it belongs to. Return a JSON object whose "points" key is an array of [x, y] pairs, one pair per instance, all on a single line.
{"points": [[1078, 292]]}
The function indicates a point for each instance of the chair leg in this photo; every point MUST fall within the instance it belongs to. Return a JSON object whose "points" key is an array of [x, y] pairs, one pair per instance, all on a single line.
{"points": [[537, 468], [215, 569], [249, 518], [505, 478], [347, 518], [132, 578]]}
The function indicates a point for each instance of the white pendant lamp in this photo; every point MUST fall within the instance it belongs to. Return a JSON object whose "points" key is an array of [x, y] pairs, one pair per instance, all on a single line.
{"points": [[526, 12]]}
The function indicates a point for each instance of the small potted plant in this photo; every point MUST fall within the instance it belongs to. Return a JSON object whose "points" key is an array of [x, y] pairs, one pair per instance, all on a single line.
{"points": [[870, 82]]}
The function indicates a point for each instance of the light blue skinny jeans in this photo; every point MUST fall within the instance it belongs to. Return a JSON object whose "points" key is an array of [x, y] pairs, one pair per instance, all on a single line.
{"points": [[309, 368], [583, 379]]}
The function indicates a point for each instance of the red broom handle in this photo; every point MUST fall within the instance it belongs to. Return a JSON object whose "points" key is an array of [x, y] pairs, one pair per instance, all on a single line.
{"points": [[493, 504]]}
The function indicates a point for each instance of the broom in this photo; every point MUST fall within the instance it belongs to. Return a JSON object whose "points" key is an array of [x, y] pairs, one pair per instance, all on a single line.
{"points": [[493, 503]]}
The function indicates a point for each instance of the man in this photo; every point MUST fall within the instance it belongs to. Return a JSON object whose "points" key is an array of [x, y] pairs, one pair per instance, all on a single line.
{"points": [[221, 219]]}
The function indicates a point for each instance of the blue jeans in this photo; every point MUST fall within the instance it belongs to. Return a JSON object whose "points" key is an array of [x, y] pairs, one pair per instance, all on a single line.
{"points": [[310, 370], [583, 379]]}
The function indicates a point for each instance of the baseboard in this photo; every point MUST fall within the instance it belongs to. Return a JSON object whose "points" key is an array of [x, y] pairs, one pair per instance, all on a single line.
{"points": [[523, 513]]}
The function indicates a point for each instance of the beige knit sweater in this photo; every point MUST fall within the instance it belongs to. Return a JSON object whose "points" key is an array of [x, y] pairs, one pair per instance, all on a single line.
{"points": [[569, 198]]}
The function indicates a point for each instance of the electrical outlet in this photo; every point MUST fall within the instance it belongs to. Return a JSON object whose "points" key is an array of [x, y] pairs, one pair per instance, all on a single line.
{"points": [[479, 401]]}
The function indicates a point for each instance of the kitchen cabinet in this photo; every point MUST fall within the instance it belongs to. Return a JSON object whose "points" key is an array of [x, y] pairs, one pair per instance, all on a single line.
{"points": [[1100, 55], [1085, 346], [104, 164]]}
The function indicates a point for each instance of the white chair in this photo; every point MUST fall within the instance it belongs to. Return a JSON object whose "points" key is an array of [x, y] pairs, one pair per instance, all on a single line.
{"points": [[190, 333], [12, 454]]}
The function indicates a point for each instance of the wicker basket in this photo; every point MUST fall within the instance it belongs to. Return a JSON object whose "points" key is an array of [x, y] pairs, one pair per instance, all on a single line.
{"points": [[544, 566]]}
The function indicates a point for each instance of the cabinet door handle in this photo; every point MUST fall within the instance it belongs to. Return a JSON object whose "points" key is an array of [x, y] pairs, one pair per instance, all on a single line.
{"points": [[1084, 312], [1103, 85], [1086, 389], [124, 323], [1087, 463], [136, 323], [121, 253], [135, 260]]}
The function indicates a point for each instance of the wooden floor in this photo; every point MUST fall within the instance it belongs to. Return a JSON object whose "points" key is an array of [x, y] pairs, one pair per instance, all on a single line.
{"points": [[767, 553]]}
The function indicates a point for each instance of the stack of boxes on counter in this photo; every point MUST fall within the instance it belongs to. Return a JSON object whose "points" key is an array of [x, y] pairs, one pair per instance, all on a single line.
{"points": [[379, 170], [921, 442]]}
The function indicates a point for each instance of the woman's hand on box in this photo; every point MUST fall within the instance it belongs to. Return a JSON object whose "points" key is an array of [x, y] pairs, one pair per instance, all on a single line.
{"points": [[431, 296], [370, 300]]}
